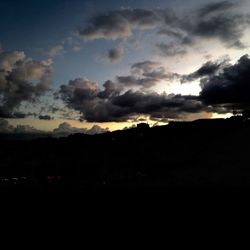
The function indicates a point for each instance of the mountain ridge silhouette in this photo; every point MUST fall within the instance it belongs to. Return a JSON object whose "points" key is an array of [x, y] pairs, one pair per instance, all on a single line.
{"points": [[199, 154]]}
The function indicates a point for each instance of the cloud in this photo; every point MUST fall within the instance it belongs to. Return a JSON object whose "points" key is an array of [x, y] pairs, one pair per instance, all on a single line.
{"points": [[85, 96], [217, 7], [77, 48], [227, 28], [52, 52], [6, 128], [148, 69], [220, 20], [115, 55], [72, 42], [66, 129], [97, 130], [110, 89], [145, 74], [230, 88], [5, 113], [206, 70], [172, 33], [56, 51], [26, 129], [121, 23], [171, 49], [158, 105], [78, 90], [22, 79], [118, 106], [224, 87], [9, 59], [45, 117], [133, 81]]}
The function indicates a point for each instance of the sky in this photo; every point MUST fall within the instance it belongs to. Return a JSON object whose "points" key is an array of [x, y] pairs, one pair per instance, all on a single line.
{"points": [[93, 66]]}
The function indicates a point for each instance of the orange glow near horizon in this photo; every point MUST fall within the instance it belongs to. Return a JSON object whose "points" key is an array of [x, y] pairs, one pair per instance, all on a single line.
{"points": [[224, 116], [49, 126]]}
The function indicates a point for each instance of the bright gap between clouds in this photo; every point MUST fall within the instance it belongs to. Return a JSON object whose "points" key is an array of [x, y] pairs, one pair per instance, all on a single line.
{"points": [[223, 116], [192, 88]]}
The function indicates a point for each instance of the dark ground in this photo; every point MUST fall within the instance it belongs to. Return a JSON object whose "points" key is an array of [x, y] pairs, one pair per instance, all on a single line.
{"points": [[199, 154]]}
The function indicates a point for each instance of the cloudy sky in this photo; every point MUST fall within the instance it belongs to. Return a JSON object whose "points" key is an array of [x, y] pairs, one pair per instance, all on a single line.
{"points": [[93, 65]]}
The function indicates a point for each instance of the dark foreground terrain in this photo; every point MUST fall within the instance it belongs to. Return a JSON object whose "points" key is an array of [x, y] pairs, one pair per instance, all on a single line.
{"points": [[200, 154]]}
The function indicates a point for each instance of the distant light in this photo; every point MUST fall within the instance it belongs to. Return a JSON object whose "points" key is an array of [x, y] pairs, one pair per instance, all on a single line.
{"points": [[224, 116]]}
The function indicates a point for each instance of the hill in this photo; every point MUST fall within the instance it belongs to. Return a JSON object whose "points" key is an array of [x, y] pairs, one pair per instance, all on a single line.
{"points": [[203, 153]]}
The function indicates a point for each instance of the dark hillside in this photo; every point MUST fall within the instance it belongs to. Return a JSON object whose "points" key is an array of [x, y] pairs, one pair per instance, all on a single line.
{"points": [[203, 153]]}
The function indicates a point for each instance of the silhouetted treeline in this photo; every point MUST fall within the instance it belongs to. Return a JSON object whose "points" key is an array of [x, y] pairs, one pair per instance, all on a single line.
{"points": [[203, 153]]}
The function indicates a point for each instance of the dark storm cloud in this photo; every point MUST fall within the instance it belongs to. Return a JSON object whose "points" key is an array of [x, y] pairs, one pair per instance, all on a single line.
{"points": [[121, 23], [94, 104], [5, 113], [207, 69], [158, 105], [224, 87], [118, 106], [22, 79], [154, 103], [45, 117], [115, 54], [230, 87], [110, 89]]}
